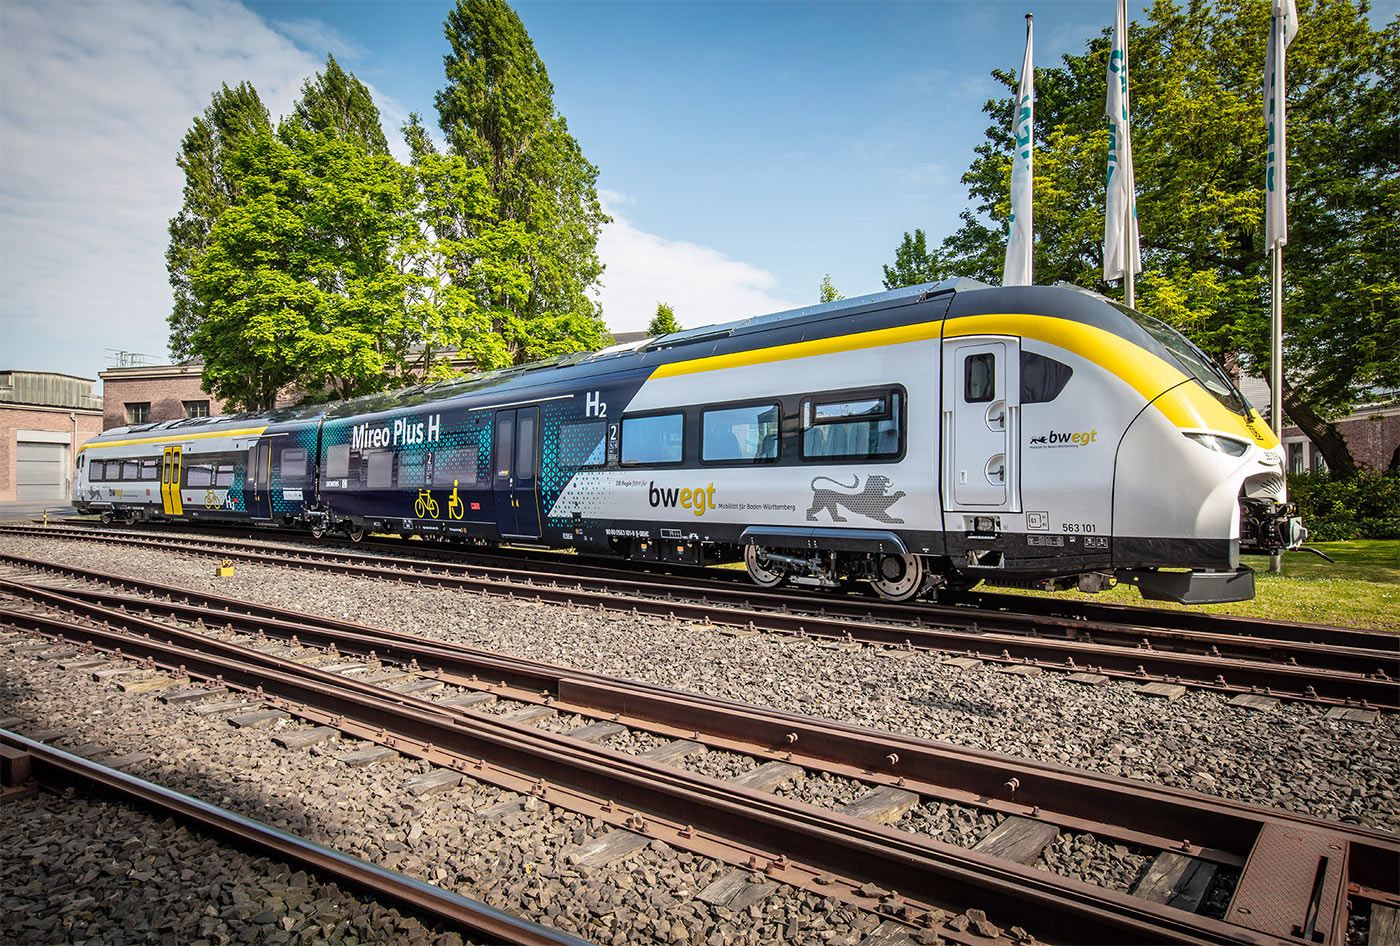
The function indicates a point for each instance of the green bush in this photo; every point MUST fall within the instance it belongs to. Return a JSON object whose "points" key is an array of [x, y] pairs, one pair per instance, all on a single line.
{"points": [[1366, 506]]}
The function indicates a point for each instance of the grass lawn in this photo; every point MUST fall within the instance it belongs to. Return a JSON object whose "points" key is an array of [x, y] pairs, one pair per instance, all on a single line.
{"points": [[1361, 590]]}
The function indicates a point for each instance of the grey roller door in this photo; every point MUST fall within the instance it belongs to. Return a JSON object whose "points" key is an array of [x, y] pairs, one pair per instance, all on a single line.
{"points": [[41, 471]]}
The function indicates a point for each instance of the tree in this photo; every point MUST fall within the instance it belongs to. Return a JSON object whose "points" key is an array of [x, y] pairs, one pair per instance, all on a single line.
{"points": [[335, 102], [828, 291], [1199, 144], [497, 113], [232, 114], [664, 321], [326, 274], [914, 264]]}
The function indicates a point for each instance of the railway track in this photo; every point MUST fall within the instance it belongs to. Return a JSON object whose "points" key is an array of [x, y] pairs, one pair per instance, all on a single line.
{"points": [[195, 634], [30, 762], [1339, 667]]}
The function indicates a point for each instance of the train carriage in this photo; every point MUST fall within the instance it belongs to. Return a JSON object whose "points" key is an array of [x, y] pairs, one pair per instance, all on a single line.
{"points": [[243, 468], [932, 436]]}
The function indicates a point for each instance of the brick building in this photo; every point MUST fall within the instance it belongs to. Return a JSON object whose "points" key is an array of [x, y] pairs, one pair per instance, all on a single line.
{"points": [[1372, 433], [44, 417], [144, 394]]}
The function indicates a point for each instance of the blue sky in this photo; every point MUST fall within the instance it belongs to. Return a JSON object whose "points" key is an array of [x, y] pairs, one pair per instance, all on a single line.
{"points": [[745, 149]]}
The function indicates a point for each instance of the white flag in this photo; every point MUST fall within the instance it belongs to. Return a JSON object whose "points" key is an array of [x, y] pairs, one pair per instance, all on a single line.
{"points": [[1282, 29], [1121, 253], [1017, 271]]}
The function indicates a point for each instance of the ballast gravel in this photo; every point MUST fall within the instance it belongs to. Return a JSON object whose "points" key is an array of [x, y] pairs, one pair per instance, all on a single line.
{"points": [[493, 845], [1290, 757], [72, 866]]}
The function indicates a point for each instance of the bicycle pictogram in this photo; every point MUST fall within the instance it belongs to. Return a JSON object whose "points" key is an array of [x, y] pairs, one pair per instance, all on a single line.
{"points": [[211, 500], [456, 509], [426, 506]]}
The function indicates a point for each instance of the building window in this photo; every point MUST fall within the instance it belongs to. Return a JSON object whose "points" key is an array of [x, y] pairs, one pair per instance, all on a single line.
{"points": [[1319, 462], [195, 408], [1295, 458], [138, 412]]}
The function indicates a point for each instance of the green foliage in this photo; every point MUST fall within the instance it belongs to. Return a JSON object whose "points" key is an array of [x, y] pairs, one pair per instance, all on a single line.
{"points": [[1199, 144], [1365, 505], [828, 292], [497, 112], [914, 264], [231, 115], [664, 321], [335, 102]]}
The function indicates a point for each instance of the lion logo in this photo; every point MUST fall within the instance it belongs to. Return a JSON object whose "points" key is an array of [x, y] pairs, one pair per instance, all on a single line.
{"points": [[873, 501]]}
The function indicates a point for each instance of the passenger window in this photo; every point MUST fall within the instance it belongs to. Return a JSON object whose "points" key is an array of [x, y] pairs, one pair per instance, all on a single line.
{"points": [[149, 470], [379, 469], [583, 444], [293, 466], [201, 476], [655, 439], [411, 472], [747, 434], [131, 469], [854, 427], [455, 467], [979, 378], [223, 474], [1042, 379], [338, 462]]}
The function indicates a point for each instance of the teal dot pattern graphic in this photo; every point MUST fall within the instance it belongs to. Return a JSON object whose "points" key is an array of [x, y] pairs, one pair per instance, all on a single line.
{"points": [[303, 438]]}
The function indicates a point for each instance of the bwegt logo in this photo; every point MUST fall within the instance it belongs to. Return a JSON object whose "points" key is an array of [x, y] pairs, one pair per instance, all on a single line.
{"points": [[696, 500], [1056, 439]]}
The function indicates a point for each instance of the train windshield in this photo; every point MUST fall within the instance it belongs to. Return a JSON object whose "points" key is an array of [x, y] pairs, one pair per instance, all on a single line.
{"points": [[1195, 362]]}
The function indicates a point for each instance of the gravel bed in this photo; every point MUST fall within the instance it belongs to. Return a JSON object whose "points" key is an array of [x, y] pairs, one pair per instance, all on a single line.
{"points": [[563, 723], [517, 862], [1083, 856], [1291, 757], [634, 741], [956, 824], [74, 866], [719, 763], [823, 789]]}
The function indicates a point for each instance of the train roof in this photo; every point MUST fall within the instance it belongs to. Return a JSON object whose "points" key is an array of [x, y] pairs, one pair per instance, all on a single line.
{"points": [[216, 424], [948, 299]]}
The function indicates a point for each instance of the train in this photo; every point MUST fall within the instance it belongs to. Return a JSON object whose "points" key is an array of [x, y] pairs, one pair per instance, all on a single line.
{"points": [[909, 442]]}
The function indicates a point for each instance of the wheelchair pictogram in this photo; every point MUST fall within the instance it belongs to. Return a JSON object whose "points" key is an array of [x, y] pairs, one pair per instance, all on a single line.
{"points": [[456, 509], [425, 507]]}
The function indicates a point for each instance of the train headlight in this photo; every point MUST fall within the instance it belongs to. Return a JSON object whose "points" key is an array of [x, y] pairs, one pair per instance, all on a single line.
{"points": [[1226, 445]]}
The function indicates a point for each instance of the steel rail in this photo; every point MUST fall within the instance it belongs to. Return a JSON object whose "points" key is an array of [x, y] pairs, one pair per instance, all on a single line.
{"points": [[1335, 647], [1293, 681], [1372, 855], [56, 769], [1149, 815], [693, 809], [1137, 616]]}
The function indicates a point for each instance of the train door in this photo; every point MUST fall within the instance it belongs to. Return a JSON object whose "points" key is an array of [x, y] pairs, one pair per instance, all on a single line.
{"points": [[170, 502], [515, 474], [981, 421], [257, 492]]}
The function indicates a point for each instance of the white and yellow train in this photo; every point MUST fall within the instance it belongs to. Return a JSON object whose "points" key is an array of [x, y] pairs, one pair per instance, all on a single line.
{"points": [[926, 437]]}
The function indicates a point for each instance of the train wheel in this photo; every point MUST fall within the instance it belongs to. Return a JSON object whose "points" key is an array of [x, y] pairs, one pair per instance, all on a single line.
{"points": [[900, 577], [356, 533], [764, 573], [106, 518], [318, 532]]}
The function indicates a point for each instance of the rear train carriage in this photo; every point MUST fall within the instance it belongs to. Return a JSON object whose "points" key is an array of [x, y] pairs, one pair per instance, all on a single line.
{"points": [[242, 467], [937, 435]]}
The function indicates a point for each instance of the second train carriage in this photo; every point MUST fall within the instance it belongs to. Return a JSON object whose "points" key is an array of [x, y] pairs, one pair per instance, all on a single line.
{"points": [[941, 434]]}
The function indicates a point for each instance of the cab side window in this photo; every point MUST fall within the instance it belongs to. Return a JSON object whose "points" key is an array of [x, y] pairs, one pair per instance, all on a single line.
{"points": [[979, 378]]}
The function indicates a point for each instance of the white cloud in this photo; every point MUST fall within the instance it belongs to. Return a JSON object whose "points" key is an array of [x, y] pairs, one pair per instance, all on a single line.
{"points": [[702, 284], [94, 100]]}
